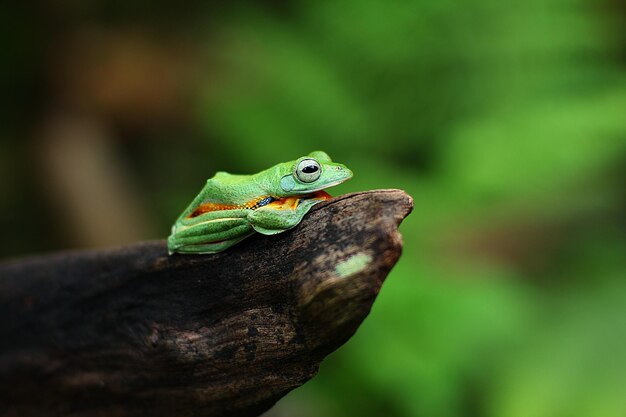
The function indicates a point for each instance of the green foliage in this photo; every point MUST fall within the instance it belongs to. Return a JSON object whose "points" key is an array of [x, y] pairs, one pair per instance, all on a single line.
{"points": [[496, 117]]}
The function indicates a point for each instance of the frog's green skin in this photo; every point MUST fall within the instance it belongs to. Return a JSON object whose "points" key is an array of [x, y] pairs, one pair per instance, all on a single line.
{"points": [[232, 207]]}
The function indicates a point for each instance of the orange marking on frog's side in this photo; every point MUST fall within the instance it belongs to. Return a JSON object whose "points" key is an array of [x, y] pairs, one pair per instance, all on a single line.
{"points": [[284, 203], [209, 207]]}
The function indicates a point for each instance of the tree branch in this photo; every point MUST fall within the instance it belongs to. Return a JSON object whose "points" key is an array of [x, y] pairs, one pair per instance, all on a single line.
{"points": [[131, 331]]}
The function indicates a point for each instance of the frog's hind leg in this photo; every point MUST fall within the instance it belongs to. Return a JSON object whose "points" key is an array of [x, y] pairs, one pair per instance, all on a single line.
{"points": [[207, 248], [211, 236]]}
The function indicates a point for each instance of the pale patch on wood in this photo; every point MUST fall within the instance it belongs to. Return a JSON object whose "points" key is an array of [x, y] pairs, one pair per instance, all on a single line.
{"points": [[353, 265]]}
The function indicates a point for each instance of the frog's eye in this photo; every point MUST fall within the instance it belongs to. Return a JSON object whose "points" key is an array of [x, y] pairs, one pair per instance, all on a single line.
{"points": [[308, 170]]}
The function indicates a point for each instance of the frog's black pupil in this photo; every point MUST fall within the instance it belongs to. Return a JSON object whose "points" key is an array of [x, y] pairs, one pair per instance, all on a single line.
{"points": [[309, 169]]}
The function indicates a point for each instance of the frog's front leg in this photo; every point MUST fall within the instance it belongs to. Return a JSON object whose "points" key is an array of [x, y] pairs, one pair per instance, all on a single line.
{"points": [[280, 216], [209, 233]]}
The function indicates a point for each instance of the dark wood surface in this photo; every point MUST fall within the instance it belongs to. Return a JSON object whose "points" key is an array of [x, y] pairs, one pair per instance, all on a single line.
{"points": [[132, 331]]}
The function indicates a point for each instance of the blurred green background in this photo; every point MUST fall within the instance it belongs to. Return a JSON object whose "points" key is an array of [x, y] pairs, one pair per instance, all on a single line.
{"points": [[506, 121]]}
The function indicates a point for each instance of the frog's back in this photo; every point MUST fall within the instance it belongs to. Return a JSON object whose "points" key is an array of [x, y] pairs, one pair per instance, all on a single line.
{"points": [[233, 189], [224, 178]]}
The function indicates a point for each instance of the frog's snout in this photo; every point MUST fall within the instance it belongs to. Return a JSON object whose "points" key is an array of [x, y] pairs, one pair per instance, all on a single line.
{"points": [[343, 171]]}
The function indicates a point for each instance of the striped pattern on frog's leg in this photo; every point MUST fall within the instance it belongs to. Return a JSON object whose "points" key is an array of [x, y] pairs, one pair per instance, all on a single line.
{"points": [[210, 232]]}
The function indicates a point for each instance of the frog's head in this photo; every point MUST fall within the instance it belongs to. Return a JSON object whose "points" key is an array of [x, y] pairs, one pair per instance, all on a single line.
{"points": [[313, 173]]}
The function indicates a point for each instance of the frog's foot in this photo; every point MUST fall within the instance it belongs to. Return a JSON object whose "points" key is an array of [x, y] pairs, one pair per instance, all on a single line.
{"points": [[293, 203], [284, 213]]}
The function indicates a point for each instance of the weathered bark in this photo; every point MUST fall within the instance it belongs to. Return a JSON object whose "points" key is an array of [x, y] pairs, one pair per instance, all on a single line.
{"points": [[131, 331]]}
